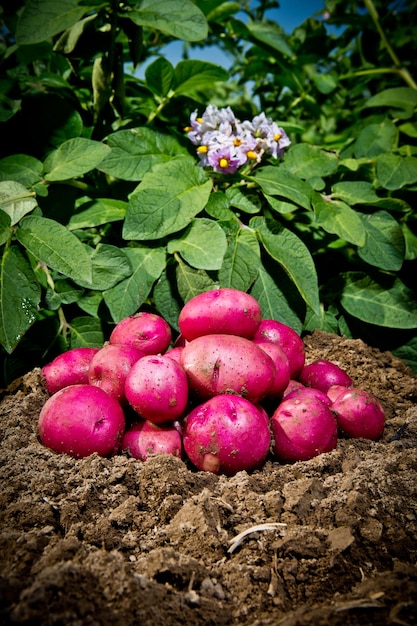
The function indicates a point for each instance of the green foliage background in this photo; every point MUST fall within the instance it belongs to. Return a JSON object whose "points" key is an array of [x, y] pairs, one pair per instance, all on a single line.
{"points": [[105, 210]]}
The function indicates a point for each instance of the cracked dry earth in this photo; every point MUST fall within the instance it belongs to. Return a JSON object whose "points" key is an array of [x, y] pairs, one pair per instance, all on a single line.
{"points": [[118, 542]]}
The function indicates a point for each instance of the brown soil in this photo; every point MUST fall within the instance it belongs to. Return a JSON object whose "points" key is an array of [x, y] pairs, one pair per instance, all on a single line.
{"points": [[119, 542]]}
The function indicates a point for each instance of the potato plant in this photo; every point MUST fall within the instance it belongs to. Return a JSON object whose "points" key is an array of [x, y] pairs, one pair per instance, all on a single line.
{"points": [[114, 199]]}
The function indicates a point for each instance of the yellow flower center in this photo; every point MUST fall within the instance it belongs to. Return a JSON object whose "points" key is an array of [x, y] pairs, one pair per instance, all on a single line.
{"points": [[251, 155], [188, 129], [277, 137], [199, 120], [237, 142], [223, 162], [202, 149]]}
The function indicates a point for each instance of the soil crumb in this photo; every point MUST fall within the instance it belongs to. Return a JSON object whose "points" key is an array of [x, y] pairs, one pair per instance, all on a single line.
{"points": [[331, 541]]}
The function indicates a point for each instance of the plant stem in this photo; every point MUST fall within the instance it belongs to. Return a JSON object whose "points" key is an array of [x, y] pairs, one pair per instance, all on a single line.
{"points": [[404, 73]]}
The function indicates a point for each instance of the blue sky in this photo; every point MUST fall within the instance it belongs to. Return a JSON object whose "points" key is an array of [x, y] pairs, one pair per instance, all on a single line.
{"points": [[290, 14]]}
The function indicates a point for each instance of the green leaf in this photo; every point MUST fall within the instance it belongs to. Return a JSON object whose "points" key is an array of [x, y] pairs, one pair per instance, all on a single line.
{"points": [[376, 139], [402, 100], [86, 332], [191, 282], [20, 296], [202, 245], [166, 300], [97, 212], [69, 39], [384, 245], [127, 296], [179, 18], [395, 172], [327, 321], [16, 200], [90, 303], [326, 83], [197, 75], [274, 300], [136, 151], [281, 206], [6, 231], [160, 77], [166, 200], [218, 206], [408, 353], [246, 202], [21, 168], [55, 246], [271, 35], [73, 158], [276, 181], [379, 299], [355, 192], [241, 261], [293, 256], [110, 265], [42, 19], [306, 161], [339, 219], [410, 243]]}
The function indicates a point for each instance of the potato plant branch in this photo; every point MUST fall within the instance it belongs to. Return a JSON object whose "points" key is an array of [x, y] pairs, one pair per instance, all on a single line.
{"points": [[405, 74]]}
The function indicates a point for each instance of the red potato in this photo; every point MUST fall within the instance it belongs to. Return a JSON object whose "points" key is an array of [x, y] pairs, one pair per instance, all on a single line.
{"points": [[145, 439], [226, 434], [292, 386], [359, 414], [175, 353], [287, 339], [309, 392], [335, 391], [81, 419], [110, 366], [323, 374], [157, 388], [68, 368], [218, 364], [223, 311], [303, 428], [145, 331], [282, 367]]}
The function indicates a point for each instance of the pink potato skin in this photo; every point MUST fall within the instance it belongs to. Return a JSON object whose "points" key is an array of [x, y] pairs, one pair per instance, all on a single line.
{"points": [[322, 374], [175, 353], [223, 311], [148, 332], [218, 364], [110, 366], [287, 339], [81, 419], [68, 368], [292, 386], [226, 434], [282, 367], [157, 388], [335, 391], [309, 392], [145, 439], [303, 428], [359, 414]]}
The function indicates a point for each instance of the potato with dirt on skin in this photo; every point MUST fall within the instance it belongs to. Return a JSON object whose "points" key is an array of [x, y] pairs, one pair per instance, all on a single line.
{"points": [[81, 419], [227, 434], [218, 364]]}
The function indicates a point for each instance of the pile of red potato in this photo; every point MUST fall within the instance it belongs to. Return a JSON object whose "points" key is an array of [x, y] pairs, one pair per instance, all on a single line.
{"points": [[233, 390]]}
